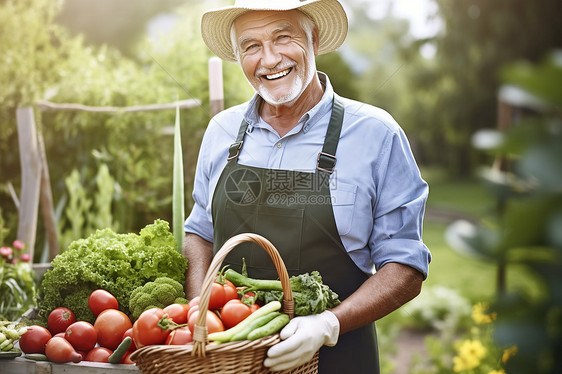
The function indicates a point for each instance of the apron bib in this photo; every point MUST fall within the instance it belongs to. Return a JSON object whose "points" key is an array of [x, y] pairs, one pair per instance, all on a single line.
{"points": [[293, 210]]}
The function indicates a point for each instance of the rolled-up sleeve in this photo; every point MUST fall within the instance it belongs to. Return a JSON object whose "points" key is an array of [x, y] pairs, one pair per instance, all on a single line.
{"points": [[399, 207], [200, 220]]}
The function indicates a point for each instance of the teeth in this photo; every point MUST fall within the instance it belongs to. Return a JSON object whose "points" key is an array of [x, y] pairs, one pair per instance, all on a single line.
{"points": [[278, 75]]}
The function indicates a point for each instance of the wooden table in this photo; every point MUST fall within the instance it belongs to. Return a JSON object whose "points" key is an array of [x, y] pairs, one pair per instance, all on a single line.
{"points": [[20, 365]]}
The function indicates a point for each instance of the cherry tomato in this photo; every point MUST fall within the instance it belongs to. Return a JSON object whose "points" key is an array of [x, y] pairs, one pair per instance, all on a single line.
{"points": [[60, 350], [110, 325], [98, 354], [101, 300], [214, 323], [180, 336], [82, 335], [254, 307], [34, 339], [146, 330], [233, 312], [177, 312], [129, 333], [59, 319]]}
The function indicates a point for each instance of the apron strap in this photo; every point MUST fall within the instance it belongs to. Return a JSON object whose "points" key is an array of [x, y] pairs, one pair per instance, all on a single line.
{"points": [[234, 149], [327, 158]]}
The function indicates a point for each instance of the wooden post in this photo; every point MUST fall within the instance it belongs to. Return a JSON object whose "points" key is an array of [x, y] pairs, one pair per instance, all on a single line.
{"points": [[216, 92], [46, 200], [30, 177]]}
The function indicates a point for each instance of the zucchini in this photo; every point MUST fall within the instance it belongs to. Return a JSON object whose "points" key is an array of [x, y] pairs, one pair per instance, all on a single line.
{"points": [[120, 351], [269, 328], [242, 335], [36, 357], [225, 336]]}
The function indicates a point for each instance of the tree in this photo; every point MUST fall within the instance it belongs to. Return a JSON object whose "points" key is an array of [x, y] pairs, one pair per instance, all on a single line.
{"points": [[458, 90]]}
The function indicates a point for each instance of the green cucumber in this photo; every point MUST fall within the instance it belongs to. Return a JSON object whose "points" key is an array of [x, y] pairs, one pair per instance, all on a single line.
{"points": [[36, 357], [120, 351], [242, 335], [225, 336], [269, 328]]}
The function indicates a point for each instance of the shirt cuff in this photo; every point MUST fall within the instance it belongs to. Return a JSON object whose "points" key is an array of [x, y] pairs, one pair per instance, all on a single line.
{"points": [[199, 224], [413, 253]]}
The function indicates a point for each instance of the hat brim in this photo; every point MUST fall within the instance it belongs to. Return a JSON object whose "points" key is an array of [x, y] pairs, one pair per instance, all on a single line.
{"points": [[328, 15]]}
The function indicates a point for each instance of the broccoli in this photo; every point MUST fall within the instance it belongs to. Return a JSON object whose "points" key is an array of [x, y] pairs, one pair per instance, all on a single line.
{"points": [[160, 293]]}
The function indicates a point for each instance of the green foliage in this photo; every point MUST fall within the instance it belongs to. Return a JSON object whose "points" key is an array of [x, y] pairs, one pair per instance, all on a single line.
{"points": [[84, 215], [118, 263], [17, 284], [159, 293], [44, 62], [526, 228]]}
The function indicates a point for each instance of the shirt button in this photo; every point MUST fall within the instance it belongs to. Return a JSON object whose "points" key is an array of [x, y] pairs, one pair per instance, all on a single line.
{"points": [[279, 145]]}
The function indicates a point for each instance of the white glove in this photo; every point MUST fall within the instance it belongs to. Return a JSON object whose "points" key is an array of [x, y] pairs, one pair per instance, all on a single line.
{"points": [[301, 338]]}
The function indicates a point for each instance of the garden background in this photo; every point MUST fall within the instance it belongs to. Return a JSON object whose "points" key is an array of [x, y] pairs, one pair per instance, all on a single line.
{"points": [[494, 232]]}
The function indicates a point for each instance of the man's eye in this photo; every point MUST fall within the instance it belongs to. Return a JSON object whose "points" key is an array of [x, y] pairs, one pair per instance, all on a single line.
{"points": [[251, 47], [283, 37]]}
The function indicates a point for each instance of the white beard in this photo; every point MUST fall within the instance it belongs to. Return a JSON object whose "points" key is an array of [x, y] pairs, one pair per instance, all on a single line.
{"points": [[297, 89]]}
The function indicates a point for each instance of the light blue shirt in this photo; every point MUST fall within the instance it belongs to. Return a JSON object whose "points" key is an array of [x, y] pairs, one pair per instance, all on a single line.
{"points": [[378, 195]]}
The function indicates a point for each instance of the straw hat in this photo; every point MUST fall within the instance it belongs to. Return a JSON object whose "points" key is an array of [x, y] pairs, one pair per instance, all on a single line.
{"points": [[328, 15]]}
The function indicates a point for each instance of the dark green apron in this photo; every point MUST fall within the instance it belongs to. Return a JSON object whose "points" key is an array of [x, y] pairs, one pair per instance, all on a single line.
{"points": [[293, 210]]}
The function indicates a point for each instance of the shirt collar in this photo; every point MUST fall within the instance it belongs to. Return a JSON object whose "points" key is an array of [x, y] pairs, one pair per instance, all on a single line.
{"points": [[310, 118]]}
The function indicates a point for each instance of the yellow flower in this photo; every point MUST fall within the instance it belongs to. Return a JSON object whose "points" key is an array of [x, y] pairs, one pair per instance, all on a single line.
{"points": [[508, 353], [470, 354], [480, 313], [501, 371]]}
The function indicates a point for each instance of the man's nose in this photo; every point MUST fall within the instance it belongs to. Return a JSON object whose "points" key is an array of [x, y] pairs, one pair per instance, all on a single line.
{"points": [[271, 56]]}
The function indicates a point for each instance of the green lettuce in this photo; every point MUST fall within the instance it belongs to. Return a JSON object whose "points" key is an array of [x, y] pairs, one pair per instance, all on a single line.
{"points": [[118, 263]]}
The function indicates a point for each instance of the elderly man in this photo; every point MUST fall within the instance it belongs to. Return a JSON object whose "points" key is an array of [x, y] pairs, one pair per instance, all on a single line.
{"points": [[331, 182]]}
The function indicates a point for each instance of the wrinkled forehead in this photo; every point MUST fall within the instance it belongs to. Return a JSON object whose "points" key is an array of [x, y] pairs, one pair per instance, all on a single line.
{"points": [[260, 20]]}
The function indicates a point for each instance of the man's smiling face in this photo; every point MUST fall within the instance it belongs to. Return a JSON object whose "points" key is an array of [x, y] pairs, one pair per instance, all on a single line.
{"points": [[276, 54]]}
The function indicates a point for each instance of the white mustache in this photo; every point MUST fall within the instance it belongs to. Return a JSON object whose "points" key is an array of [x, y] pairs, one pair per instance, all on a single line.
{"points": [[283, 65]]}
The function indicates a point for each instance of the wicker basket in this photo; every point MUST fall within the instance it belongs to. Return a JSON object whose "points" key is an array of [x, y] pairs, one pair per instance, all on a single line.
{"points": [[201, 357]]}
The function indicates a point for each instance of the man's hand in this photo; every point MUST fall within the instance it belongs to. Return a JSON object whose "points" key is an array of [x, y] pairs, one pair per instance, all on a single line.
{"points": [[301, 338]]}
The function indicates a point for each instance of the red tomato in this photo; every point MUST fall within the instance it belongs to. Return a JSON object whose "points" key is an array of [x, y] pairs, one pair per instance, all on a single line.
{"points": [[192, 310], [233, 312], [126, 359], [34, 339], [110, 325], [61, 334], [177, 312], [214, 323], [101, 300], [82, 335], [60, 350], [129, 333], [230, 291], [98, 354], [146, 330], [59, 319], [217, 298], [194, 301], [180, 336], [254, 307]]}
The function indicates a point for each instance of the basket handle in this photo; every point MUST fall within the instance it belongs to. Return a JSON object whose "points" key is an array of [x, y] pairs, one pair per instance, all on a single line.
{"points": [[200, 330]]}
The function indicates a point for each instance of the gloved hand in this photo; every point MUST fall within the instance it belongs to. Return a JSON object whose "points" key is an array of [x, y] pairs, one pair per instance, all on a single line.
{"points": [[301, 338]]}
